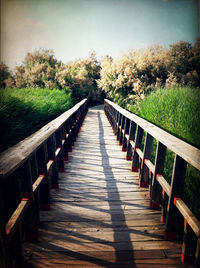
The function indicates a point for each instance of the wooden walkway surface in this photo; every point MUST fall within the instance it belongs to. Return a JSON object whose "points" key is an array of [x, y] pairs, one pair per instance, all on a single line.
{"points": [[99, 217]]}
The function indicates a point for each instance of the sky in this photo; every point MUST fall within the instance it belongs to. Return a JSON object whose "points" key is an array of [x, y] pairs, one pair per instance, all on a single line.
{"points": [[74, 28]]}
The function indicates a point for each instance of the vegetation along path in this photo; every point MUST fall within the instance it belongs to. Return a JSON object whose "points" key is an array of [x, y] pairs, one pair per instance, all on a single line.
{"points": [[99, 216]]}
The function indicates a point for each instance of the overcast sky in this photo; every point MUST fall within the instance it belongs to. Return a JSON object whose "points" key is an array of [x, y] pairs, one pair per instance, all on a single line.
{"points": [[73, 28]]}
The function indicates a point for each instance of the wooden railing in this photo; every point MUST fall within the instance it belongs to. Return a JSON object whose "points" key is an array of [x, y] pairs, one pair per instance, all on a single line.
{"points": [[131, 130], [28, 171]]}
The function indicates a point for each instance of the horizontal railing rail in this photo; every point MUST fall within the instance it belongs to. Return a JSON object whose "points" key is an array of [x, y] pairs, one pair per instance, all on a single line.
{"points": [[28, 171], [136, 135]]}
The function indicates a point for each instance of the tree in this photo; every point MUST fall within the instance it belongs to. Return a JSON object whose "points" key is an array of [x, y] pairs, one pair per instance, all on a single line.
{"points": [[38, 70], [4, 74], [80, 77]]}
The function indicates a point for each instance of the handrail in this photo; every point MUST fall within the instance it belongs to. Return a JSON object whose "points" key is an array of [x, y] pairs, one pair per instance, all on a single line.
{"points": [[28, 171], [188, 152], [130, 130], [17, 154]]}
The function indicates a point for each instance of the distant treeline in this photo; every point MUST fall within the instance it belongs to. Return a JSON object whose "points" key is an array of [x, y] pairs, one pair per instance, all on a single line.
{"points": [[125, 79]]}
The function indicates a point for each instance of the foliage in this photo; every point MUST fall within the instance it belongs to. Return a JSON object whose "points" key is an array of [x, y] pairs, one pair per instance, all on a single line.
{"points": [[125, 79], [4, 74], [131, 76], [177, 111], [80, 76], [42, 69], [38, 70], [24, 111]]}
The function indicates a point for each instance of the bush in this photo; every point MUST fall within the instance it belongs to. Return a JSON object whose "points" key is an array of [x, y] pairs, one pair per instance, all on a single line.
{"points": [[132, 75], [4, 74], [80, 76], [38, 70]]}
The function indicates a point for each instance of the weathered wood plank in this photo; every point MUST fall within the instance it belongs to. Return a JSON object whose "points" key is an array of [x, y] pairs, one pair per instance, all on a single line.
{"points": [[99, 216], [179, 147], [17, 154]]}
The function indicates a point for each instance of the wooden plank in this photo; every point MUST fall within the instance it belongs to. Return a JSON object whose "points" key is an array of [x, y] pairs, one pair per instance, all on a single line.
{"points": [[60, 245], [99, 215], [49, 164], [188, 216], [16, 217], [38, 182], [164, 184], [104, 258], [150, 165], [57, 151]]}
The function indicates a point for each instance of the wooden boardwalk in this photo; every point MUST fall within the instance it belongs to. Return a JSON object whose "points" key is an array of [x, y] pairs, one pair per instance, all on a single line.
{"points": [[99, 216]]}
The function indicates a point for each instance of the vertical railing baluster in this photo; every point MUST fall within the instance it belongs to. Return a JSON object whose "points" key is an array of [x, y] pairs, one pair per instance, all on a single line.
{"points": [[4, 253], [66, 144], [121, 135], [15, 240], [177, 188], [197, 253], [132, 130], [155, 188], [118, 125], [30, 222], [41, 156], [126, 132], [164, 203], [53, 172], [59, 145], [144, 173], [35, 174], [138, 142], [189, 240]]}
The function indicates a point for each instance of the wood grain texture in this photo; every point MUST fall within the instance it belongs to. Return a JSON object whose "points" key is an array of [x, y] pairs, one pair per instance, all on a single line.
{"points": [[99, 216], [188, 152], [12, 158]]}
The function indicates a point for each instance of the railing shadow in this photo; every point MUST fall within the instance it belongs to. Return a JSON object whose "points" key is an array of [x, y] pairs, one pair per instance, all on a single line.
{"points": [[120, 215], [57, 237]]}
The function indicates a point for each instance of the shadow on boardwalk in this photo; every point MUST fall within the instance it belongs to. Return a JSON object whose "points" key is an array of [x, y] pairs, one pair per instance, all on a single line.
{"points": [[120, 216], [99, 217]]}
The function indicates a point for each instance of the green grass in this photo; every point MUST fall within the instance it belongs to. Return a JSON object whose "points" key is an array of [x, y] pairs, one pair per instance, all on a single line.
{"points": [[177, 110], [24, 111]]}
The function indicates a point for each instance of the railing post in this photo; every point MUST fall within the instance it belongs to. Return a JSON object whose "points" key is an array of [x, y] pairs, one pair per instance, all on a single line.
{"points": [[121, 129], [164, 204], [126, 132], [45, 185], [68, 144], [53, 172], [188, 251], [11, 200], [73, 128], [35, 174], [30, 222], [4, 253], [155, 188], [144, 174], [118, 125], [138, 142], [132, 129], [60, 157], [197, 254], [177, 188]]}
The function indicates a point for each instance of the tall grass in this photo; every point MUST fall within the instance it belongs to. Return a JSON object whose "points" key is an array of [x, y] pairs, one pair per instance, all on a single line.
{"points": [[24, 111], [177, 110]]}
